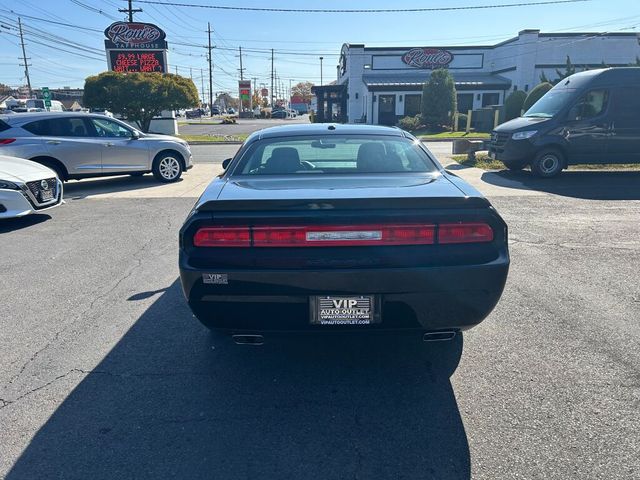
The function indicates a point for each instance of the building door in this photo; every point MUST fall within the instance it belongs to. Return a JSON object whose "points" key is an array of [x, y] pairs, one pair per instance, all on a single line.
{"points": [[386, 109]]}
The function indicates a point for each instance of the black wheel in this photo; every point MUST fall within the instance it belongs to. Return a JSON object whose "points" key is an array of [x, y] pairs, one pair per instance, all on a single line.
{"points": [[167, 167], [548, 163], [137, 174], [60, 171]]}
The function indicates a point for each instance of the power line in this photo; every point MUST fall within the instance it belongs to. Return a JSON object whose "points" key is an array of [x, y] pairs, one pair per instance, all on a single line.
{"points": [[364, 10]]}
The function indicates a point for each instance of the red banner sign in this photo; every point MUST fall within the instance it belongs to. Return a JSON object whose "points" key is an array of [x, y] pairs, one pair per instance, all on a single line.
{"points": [[427, 58]]}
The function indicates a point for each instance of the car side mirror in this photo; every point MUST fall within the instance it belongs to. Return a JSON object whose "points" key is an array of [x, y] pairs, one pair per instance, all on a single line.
{"points": [[135, 135], [226, 162]]}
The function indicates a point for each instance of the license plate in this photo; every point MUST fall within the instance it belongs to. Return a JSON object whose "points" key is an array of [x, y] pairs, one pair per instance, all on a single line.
{"points": [[340, 310], [46, 195]]}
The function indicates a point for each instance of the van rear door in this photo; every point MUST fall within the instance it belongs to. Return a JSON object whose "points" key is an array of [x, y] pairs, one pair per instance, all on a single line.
{"points": [[624, 140]]}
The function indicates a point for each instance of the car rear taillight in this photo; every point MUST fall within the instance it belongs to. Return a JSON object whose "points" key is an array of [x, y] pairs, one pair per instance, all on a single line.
{"points": [[222, 237], [6, 141], [464, 233], [342, 235]]}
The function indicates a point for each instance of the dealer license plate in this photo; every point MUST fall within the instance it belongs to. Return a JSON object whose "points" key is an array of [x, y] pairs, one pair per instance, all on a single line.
{"points": [[353, 310], [46, 195]]}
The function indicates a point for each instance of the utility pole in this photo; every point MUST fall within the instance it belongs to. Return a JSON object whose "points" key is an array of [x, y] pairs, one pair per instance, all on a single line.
{"points": [[176, 70], [24, 58], [241, 69], [191, 73], [210, 69], [271, 78], [321, 71], [130, 11], [255, 80], [202, 84]]}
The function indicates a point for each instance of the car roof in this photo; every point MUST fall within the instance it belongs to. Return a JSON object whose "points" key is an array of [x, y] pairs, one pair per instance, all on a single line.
{"points": [[32, 116], [325, 128]]}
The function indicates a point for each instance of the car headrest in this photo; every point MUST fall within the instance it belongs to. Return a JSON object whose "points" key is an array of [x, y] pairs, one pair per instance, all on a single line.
{"points": [[283, 160], [371, 156]]}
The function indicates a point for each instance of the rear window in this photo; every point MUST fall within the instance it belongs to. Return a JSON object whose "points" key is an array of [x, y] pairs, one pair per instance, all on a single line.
{"points": [[4, 126], [334, 154]]}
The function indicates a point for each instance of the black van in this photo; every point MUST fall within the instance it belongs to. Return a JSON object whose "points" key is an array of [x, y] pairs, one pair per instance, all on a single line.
{"points": [[589, 117]]}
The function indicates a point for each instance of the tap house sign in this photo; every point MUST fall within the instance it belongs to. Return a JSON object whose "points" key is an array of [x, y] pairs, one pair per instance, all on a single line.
{"points": [[429, 58], [136, 47]]}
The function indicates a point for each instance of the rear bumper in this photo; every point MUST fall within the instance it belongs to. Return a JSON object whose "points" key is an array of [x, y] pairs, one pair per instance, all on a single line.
{"points": [[423, 298]]}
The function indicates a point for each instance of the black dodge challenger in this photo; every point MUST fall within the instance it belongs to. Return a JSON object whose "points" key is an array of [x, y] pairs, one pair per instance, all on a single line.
{"points": [[341, 227]]}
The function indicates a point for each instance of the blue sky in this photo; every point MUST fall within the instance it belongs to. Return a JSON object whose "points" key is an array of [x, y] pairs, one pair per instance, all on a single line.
{"points": [[298, 38]]}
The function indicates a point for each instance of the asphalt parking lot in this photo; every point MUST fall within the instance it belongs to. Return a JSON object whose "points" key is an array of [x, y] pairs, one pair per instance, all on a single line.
{"points": [[105, 374]]}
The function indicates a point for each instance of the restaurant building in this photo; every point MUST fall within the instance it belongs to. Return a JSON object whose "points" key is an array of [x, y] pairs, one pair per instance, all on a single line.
{"points": [[380, 85]]}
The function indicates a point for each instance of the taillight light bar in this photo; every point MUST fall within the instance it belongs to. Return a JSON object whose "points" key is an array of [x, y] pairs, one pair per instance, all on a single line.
{"points": [[6, 141], [342, 235]]}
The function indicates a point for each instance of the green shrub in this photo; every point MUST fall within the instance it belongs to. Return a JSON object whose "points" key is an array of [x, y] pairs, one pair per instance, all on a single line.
{"points": [[411, 124], [462, 121], [536, 94], [513, 105], [438, 100]]}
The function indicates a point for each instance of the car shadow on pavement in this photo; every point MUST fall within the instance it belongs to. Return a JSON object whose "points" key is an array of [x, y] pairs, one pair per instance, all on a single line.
{"points": [[76, 190], [585, 184], [171, 400], [12, 224]]}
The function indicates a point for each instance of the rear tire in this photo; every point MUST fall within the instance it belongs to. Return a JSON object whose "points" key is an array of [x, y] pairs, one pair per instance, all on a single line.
{"points": [[167, 167], [548, 163]]}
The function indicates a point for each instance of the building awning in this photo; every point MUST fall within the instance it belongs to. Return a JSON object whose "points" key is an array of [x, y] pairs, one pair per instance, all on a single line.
{"points": [[414, 81]]}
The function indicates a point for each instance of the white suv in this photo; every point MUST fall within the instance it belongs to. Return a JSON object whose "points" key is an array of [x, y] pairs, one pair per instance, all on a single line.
{"points": [[79, 145]]}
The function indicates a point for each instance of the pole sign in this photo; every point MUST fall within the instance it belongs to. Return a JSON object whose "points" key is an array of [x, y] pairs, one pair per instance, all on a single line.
{"points": [[46, 96], [136, 47], [265, 92], [244, 87]]}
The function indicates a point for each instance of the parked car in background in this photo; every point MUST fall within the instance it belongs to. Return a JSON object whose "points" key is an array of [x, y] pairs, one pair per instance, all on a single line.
{"points": [[215, 110], [279, 114], [231, 111], [194, 113], [77, 145], [27, 187], [589, 117], [322, 228], [37, 103]]}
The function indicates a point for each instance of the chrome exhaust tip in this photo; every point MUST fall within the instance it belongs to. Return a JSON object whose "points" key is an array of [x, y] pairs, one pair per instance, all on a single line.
{"points": [[248, 339], [439, 336]]}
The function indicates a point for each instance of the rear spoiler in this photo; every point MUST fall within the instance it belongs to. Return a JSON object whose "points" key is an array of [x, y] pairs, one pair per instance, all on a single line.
{"points": [[380, 204]]}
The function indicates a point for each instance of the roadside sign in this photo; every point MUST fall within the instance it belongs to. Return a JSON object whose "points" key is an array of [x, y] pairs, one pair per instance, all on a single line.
{"points": [[46, 95], [47, 102]]}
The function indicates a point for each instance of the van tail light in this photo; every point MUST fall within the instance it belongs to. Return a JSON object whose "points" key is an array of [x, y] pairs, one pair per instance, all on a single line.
{"points": [[222, 237], [341, 235], [6, 141], [465, 233]]}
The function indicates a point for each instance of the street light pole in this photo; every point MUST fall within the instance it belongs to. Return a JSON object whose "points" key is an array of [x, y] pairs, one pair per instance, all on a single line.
{"points": [[321, 70]]}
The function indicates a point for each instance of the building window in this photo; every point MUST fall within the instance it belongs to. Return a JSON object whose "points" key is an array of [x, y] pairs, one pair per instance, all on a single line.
{"points": [[412, 105], [465, 102], [490, 99]]}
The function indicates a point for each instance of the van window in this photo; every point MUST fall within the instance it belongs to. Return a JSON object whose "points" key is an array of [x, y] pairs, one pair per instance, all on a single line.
{"points": [[590, 105], [626, 106]]}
